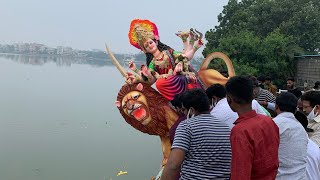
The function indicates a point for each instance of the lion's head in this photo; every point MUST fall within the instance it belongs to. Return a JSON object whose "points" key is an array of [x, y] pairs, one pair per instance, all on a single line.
{"points": [[142, 107]]}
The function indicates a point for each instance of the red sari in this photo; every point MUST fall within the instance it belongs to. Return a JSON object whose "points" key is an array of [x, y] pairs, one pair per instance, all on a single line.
{"points": [[173, 84]]}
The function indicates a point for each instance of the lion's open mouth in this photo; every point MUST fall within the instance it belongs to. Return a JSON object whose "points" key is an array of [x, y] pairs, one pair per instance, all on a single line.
{"points": [[138, 112]]}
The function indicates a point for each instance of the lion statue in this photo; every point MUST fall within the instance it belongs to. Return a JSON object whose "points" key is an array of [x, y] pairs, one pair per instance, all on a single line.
{"points": [[147, 111]]}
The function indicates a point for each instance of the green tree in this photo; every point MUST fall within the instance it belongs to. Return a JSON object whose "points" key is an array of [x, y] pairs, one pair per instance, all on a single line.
{"points": [[262, 36]]}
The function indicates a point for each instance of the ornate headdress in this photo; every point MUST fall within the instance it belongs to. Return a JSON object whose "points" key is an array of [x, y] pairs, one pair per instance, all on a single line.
{"points": [[141, 30]]}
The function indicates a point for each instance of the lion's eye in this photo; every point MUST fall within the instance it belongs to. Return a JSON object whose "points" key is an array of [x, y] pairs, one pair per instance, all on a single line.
{"points": [[136, 96], [124, 106]]}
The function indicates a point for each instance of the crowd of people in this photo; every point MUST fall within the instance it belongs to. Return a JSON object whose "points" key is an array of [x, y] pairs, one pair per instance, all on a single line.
{"points": [[245, 130]]}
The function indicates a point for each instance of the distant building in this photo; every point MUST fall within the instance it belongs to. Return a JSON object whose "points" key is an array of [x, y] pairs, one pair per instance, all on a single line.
{"points": [[97, 50], [64, 51], [21, 47], [51, 50], [308, 70], [78, 53], [34, 48], [43, 49]]}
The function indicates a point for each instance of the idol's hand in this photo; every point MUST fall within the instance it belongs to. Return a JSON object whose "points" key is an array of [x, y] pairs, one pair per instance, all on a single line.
{"points": [[128, 81], [155, 74], [132, 66], [183, 35], [131, 78], [178, 68], [128, 78], [145, 71], [164, 76], [192, 77]]}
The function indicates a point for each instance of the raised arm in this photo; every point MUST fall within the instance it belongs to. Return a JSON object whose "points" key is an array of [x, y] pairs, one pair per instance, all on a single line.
{"points": [[194, 43], [143, 75]]}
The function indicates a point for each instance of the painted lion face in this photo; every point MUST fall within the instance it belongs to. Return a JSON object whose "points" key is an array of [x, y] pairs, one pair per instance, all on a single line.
{"points": [[135, 105], [143, 108]]}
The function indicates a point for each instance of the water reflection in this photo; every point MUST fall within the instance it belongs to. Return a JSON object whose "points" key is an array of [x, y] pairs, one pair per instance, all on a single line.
{"points": [[58, 60], [65, 61], [53, 123]]}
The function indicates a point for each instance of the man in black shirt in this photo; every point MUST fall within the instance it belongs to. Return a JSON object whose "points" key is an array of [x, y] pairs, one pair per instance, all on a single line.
{"points": [[292, 89]]}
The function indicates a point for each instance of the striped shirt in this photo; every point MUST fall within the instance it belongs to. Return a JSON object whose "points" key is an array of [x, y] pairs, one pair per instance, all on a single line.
{"points": [[206, 141], [265, 95]]}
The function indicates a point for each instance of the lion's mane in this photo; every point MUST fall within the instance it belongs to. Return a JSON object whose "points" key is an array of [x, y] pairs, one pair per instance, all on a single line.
{"points": [[156, 103]]}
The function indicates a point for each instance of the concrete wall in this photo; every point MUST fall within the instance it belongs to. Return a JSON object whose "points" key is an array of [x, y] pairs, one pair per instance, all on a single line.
{"points": [[308, 70]]}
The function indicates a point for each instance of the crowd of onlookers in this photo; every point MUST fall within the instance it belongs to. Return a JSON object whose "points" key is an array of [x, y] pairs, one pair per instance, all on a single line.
{"points": [[246, 130]]}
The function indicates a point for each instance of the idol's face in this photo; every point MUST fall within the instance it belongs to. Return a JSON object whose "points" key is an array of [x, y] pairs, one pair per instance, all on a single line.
{"points": [[150, 46]]}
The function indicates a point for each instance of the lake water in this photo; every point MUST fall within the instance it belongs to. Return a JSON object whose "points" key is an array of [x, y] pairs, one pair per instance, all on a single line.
{"points": [[58, 121]]}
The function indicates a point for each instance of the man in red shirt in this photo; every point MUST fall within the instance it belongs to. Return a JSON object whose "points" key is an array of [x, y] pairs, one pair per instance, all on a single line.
{"points": [[254, 138]]}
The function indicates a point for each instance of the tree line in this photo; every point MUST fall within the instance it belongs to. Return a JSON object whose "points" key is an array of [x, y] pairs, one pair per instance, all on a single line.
{"points": [[261, 37]]}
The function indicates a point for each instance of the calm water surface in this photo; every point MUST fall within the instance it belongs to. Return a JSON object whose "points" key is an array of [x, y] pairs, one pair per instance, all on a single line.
{"points": [[58, 121]]}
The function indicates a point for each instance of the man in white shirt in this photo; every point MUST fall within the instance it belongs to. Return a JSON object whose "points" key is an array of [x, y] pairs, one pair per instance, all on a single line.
{"points": [[293, 139], [221, 109], [311, 107], [313, 152], [313, 161]]}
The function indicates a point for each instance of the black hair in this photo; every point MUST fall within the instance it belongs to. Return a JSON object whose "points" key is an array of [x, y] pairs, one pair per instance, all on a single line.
{"points": [[216, 90], [316, 85], [197, 99], [261, 78], [268, 78], [302, 118], [160, 46], [177, 100], [290, 79], [254, 80], [287, 102], [241, 89], [312, 96]]}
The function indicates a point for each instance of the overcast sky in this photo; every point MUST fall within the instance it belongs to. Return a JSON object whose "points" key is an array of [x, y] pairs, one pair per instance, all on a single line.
{"points": [[89, 24]]}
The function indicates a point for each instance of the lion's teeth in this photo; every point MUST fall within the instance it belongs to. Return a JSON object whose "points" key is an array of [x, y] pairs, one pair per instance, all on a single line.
{"points": [[137, 106]]}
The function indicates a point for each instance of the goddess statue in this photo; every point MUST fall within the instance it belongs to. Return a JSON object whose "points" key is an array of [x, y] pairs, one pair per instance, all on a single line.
{"points": [[169, 69]]}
